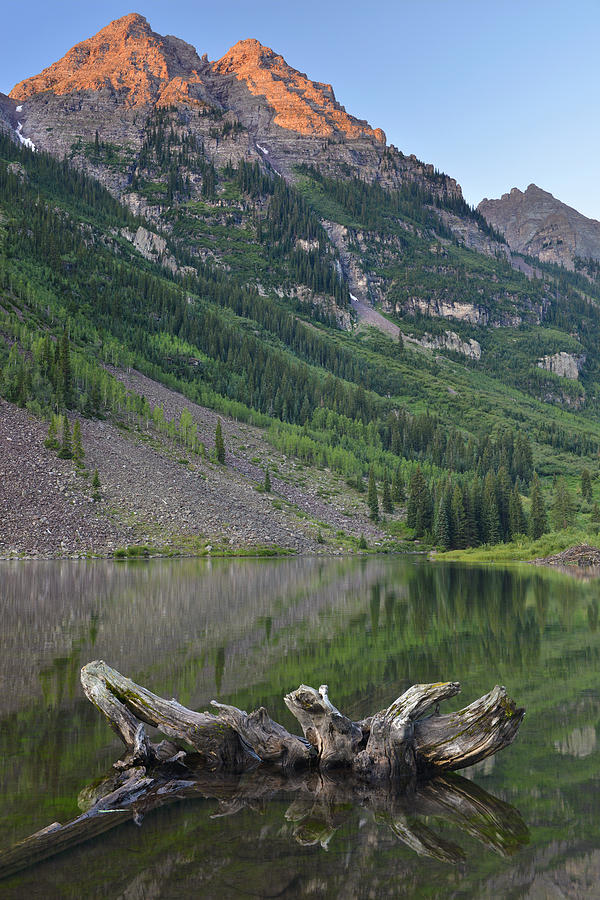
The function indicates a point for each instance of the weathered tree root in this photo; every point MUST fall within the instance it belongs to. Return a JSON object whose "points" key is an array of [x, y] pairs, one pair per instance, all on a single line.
{"points": [[242, 758], [397, 742]]}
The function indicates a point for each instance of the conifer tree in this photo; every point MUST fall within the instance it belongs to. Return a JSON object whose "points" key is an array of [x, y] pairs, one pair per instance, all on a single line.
{"points": [[51, 441], [398, 493], [595, 513], [419, 513], [386, 498], [477, 507], [538, 522], [219, 444], [78, 451], [372, 500], [562, 511], [518, 523], [471, 530], [442, 527], [458, 519], [503, 492], [586, 486], [489, 510], [267, 484], [66, 448], [47, 359], [65, 379], [96, 495]]}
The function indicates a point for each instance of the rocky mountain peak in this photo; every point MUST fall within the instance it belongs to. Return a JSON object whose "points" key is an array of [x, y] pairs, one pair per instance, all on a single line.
{"points": [[536, 223], [111, 83], [126, 57], [299, 104]]}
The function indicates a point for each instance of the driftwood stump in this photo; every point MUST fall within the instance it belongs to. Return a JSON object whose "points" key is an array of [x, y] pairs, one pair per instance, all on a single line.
{"points": [[397, 742], [240, 758]]}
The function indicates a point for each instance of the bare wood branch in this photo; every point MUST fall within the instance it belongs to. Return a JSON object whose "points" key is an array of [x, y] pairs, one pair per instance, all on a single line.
{"points": [[418, 699], [130, 704], [334, 736], [267, 739], [462, 738]]}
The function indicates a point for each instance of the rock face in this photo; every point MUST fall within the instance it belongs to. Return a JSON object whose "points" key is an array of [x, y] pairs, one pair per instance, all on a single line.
{"points": [[298, 104], [565, 365], [443, 309], [536, 223], [450, 340], [8, 121], [111, 83], [126, 58]]}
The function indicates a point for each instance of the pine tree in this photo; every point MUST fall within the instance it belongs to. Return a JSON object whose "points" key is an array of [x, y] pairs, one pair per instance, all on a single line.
{"points": [[442, 529], [562, 512], [518, 523], [419, 512], [219, 444], [471, 531], [386, 498], [490, 513], [78, 451], [595, 513], [398, 492], [96, 495], [372, 501], [503, 492], [586, 486], [66, 449], [477, 507], [538, 523], [267, 484], [458, 519], [65, 380], [51, 441]]}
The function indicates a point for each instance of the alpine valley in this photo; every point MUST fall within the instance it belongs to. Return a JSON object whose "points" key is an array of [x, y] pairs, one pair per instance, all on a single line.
{"points": [[234, 319]]}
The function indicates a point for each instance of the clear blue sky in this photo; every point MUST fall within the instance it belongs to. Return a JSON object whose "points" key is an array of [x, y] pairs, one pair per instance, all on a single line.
{"points": [[496, 93]]}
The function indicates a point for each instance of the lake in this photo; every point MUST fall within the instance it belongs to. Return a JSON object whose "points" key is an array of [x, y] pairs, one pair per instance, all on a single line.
{"points": [[526, 823]]}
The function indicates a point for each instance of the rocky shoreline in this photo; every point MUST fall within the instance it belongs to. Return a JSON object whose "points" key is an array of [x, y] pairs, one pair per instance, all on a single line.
{"points": [[582, 562]]}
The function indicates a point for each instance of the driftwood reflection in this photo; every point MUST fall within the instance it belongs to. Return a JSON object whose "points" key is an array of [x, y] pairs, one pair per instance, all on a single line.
{"points": [[320, 805]]}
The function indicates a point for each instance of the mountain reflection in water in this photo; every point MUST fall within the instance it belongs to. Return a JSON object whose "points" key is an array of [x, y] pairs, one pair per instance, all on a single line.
{"points": [[248, 631]]}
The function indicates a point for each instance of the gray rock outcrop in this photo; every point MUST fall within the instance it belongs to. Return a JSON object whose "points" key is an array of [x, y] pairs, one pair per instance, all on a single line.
{"points": [[565, 365], [537, 224]]}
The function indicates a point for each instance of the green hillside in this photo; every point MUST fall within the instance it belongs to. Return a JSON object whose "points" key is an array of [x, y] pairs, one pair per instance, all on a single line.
{"points": [[459, 435]]}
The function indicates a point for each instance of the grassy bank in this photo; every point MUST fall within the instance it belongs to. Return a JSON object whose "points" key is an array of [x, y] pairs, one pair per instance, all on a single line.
{"points": [[524, 548]]}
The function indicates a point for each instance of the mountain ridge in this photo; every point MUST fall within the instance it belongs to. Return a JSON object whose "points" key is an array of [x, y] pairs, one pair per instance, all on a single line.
{"points": [[536, 223], [111, 82], [128, 57]]}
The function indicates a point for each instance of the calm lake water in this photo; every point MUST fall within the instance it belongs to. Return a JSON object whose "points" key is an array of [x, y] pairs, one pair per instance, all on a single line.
{"points": [[526, 824]]}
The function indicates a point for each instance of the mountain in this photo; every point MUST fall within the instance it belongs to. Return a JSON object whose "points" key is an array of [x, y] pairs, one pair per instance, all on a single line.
{"points": [[537, 224], [112, 83], [192, 240]]}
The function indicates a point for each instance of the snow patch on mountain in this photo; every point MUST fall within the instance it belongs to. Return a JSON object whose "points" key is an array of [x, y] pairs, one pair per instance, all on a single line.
{"points": [[27, 142]]}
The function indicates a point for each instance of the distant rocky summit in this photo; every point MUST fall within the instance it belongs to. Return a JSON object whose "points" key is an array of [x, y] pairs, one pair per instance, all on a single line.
{"points": [[537, 224]]}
